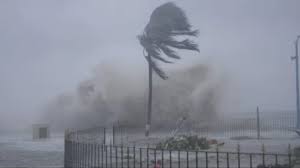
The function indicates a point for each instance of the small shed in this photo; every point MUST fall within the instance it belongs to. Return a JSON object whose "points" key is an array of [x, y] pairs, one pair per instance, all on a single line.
{"points": [[40, 131]]}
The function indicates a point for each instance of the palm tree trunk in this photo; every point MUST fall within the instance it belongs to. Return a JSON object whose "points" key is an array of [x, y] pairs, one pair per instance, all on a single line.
{"points": [[149, 112]]}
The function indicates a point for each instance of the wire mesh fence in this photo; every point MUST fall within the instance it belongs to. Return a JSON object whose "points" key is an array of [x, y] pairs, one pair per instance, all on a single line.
{"points": [[95, 134], [252, 125]]}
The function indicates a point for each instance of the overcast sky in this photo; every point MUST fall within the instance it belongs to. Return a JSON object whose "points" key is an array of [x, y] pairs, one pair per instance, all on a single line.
{"points": [[48, 46]]}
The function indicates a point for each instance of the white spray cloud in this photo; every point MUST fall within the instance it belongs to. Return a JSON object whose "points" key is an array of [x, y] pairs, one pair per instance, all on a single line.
{"points": [[110, 96]]}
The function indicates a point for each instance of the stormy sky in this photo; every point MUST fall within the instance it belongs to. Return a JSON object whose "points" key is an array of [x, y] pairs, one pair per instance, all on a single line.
{"points": [[48, 47]]}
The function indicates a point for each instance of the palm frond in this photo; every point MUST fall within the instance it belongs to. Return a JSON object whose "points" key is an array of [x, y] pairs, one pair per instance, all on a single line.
{"points": [[194, 33], [169, 52], [166, 22], [158, 57], [168, 17], [185, 44], [157, 69], [152, 49]]}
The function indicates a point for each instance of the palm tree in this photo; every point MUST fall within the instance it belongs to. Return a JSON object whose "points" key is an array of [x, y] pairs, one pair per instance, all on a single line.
{"points": [[159, 37]]}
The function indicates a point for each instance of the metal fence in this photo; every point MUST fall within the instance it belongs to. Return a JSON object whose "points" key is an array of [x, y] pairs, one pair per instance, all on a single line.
{"points": [[95, 134], [239, 125], [255, 124], [87, 154]]}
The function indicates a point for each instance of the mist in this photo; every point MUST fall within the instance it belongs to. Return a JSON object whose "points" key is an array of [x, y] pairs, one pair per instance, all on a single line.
{"points": [[76, 58], [112, 97]]}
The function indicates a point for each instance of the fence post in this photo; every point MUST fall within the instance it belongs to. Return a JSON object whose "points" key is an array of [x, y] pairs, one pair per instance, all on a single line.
{"points": [[155, 160], [80, 154], [290, 155], [95, 155], [239, 157], [141, 161], [104, 132], [263, 153], [170, 152], [116, 150], [217, 152], [110, 154], [77, 153], [122, 156], [162, 158], [88, 155], [90, 150], [187, 159], [147, 156], [102, 157], [227, 159], [66, 149], [251, 161], [106, 156], [127, 157], [91, 154], [133, 156], [74, 154], [98, 155], [197, 159], [114, 134], [85, 154], [206, 159], [121, 130], [257, 122], [178, 158]]}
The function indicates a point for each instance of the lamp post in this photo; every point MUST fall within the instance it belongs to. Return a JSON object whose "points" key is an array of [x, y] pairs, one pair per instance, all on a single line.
{"points": [[297, 81]]}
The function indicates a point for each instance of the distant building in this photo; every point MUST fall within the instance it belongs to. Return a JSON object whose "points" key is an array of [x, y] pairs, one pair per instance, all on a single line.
{"points": [[40, 131]]}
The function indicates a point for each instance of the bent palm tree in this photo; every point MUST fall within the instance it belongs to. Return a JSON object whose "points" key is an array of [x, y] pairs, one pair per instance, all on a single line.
{"points": [[166, 22]]}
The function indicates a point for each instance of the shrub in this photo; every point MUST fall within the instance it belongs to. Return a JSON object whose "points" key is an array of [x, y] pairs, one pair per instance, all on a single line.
{"points": [[184, 142]]}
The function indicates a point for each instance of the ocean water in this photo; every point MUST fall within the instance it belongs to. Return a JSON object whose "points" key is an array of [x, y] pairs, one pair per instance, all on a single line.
{"points": [[20, 150]]}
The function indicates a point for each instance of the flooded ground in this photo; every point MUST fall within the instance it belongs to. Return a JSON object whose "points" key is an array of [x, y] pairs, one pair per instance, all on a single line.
{"points": [[20, 150]]}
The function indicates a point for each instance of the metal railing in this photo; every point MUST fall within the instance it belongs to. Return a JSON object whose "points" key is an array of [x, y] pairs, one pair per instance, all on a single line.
{"points": [[253, 125], [80, 153]]}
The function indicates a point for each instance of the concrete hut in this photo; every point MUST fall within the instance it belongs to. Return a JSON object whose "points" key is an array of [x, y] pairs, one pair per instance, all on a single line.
{"points": [[40, 131]]}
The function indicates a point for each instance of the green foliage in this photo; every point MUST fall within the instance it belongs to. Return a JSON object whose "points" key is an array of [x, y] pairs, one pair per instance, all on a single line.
{"points": [[184, 142]]}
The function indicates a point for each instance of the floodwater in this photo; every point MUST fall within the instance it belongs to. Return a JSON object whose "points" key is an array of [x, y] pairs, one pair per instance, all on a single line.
{"points": [[20, 150]]}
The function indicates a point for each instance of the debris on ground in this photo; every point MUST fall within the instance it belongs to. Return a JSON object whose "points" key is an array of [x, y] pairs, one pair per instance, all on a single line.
{"points": [[184, 142]]}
